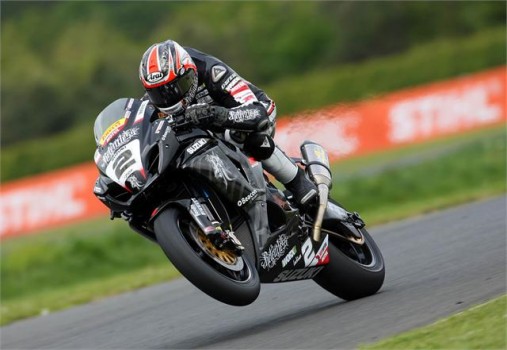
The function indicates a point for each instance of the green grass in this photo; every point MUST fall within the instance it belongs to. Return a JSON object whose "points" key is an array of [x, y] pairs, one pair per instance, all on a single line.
{"points": [[481, 327], [80, 263], [48, 300], [465, 171], [71, 256]]}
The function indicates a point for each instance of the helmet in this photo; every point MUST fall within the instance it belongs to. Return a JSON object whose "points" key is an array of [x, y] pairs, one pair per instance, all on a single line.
{"points": [[169, 76]]}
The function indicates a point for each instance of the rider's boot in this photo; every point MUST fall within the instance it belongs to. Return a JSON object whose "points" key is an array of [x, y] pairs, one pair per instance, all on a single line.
{"points": [[304, 191], [292, 177]]}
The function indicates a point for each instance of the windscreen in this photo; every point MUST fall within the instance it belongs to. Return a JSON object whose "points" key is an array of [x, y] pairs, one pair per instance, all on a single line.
{"points": [[109, 121]]}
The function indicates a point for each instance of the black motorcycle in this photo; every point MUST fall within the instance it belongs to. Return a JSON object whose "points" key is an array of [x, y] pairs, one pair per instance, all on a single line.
{"points": [[217, 216]]}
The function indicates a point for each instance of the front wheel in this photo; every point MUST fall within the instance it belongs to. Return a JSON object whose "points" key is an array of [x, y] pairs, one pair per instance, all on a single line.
{"points": [[221, 274], [354, 271]]}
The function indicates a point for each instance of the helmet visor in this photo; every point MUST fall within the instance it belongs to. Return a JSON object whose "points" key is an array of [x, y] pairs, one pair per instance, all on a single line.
{"points": [[170, 94]]}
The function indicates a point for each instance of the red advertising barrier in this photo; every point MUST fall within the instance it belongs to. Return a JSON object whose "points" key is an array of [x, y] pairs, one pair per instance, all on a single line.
{"points": [[402, 118], [49, 200], [406, 117]]}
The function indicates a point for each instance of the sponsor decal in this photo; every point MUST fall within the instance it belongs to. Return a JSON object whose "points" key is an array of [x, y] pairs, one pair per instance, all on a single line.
{"points": [[309, 256], [197, 209], [230, 82], [296, 259], [217, 72], [196, 146], [140, 112], [159, 127], [248, 198], [242, 93], [321, 155], [265, 143], [130, 103], [202, 95], [154, 77], [122, 139], [270, 257], [125, 162], [166, 132], [127, 114], [323, 253], [134, 182], [298, 274], [219, 170], [112, 130], [239, 116], [289, 256]]}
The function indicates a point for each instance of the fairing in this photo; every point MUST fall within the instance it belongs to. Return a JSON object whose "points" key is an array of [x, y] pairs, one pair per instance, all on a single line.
{"points": [[123, 134]]}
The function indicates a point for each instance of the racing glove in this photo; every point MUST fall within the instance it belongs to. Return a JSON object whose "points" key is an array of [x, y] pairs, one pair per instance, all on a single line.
{"points": [[206, 115], [251, 117]]}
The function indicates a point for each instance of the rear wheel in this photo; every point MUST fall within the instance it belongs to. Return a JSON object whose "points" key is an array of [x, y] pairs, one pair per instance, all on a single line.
{"points": [[222, 274], [355, 270]]}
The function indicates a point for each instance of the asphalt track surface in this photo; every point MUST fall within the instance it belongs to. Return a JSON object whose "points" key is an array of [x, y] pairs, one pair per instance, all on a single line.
{"points": [[438, 264]]}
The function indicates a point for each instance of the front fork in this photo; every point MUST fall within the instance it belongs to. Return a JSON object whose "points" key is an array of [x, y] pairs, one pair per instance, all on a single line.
{"points": [[222, 238]]}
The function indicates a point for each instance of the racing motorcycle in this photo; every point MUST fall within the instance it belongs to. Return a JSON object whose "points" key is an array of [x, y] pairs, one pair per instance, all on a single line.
{"points": [[182, 187]]}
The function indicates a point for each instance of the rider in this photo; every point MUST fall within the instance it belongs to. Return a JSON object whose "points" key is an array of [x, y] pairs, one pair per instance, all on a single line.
{"points": [[211, 95]]}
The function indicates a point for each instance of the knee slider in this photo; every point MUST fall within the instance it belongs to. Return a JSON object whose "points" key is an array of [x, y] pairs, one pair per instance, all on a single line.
{"points": [[259, 145]]}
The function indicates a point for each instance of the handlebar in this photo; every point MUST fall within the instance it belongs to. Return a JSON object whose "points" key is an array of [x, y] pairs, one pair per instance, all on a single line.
{"points": [[179, 122]]}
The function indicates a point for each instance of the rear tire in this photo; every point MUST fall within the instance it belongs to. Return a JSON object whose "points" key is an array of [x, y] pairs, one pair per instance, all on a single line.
{"points": [[354, 271], [222, 275]]}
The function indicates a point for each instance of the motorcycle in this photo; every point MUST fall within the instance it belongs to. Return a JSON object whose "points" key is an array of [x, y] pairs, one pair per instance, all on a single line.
{"points": [[176, 183]]}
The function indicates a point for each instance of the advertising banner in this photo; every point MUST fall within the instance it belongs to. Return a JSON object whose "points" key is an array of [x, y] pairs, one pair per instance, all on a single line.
{"points": [[402, 118]]}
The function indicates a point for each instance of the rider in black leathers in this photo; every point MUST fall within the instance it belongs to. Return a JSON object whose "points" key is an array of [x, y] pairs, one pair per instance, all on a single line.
{"points": [[212, 95]]}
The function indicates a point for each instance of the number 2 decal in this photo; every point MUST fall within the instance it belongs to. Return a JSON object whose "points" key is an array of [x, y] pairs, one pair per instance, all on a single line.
{"points": [[125, 161], [122, 162]]}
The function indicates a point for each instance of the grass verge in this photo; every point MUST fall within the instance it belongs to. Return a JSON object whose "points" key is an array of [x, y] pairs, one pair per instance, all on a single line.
{"points": [[84, 262], [425, 178], [481, 327]]}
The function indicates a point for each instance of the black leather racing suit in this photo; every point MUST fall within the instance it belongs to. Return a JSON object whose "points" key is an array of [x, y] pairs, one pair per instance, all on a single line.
{"points": [[218, 84]]}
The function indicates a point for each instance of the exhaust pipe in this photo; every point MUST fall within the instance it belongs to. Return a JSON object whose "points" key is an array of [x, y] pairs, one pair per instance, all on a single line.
{"points": [[317, 166]]}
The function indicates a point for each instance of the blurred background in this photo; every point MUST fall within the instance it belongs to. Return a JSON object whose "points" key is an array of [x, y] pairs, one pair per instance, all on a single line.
{"points": [[62, 62]]}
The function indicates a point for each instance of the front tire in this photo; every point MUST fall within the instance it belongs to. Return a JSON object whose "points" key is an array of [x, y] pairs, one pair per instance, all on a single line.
{"points": [[221, 274], [354, 271]]}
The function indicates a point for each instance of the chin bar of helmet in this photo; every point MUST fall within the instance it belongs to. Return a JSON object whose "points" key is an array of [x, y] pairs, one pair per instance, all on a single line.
{"points": [[317, 165]]}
